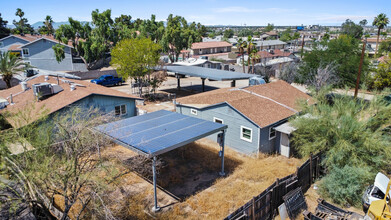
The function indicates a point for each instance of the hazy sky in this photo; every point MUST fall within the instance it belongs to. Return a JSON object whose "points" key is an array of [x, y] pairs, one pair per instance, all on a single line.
{"points": [[208, 12]]}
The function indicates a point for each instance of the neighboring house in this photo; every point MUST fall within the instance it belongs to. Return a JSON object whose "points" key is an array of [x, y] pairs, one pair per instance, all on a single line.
{"points": [[251, 113], [371, 45], [270, 44], [37, 50], [273, 67], [66, 93], [210, 48], [200, 63]]}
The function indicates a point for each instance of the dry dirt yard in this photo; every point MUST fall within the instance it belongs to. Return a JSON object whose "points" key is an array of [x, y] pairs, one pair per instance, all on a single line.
{"points": [[189, 184]]}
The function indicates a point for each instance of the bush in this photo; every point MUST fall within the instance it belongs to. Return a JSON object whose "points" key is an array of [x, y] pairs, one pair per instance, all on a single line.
{"points": [[345, 185]]}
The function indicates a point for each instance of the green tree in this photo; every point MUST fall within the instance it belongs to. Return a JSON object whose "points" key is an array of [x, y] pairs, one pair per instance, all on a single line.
{"points": [[380, 22], [344, 52], [241, 46], [135, 58], [9, 66], [269, 27], [382, 77], [49, 24], [352, 29], [228, 33], [251, 51], [350, 133], [4, 31], [22, 26], [363, 22], [385, 47]]}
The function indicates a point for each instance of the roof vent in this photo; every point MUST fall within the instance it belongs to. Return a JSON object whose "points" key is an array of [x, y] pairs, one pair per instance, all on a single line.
{"points": [[73, 87], [42, 90], [24, 86], [46, 78]]}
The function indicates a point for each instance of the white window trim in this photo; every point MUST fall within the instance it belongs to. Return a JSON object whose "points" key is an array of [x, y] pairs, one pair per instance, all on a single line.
{"points": [[214, 120], [120, 111], [275, 133], [28, 51], [193, 111], [241, 134]]}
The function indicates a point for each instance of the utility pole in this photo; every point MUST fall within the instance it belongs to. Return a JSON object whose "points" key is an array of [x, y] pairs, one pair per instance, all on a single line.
{"points": [[302, 47], [359, 68]]}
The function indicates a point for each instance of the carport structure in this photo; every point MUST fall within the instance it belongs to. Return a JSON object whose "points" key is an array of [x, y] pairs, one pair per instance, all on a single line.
{"points": [[158, 132], [207, 73]]}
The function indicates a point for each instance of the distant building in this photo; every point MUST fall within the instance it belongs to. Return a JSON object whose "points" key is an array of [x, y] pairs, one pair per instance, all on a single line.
{"points": [[37, 50], [270, 44], [210, 48]]}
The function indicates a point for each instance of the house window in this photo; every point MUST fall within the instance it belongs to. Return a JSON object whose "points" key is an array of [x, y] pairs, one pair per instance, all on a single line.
{"points": [[193, 111], [218, 120], [120, 110], [26, 51], [246, 133], [272, 133]]}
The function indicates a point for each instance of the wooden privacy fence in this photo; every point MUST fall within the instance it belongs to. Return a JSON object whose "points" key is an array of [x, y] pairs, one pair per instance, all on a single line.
{"points": [[265, 205]]}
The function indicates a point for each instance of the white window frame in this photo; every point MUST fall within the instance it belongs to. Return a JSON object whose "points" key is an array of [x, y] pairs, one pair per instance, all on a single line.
{"points": [[28, 51], [121, 113], [218, 119], [241, 134], [270, 131], [193, 111]]}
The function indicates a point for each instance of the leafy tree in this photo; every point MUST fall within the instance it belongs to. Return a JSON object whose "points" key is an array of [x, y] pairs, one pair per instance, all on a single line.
{"points": [[178, 36], [4, 31], [269, 27], [351, 29], [245, 32], [9, 66], [135, 58], [251, 51], [22, 26], [363, 22], [152, 29], [344, 52], [48, 26], [287, 35], [91, 44], [385, 46], [380, 22], [228, 33], [382, 77]]}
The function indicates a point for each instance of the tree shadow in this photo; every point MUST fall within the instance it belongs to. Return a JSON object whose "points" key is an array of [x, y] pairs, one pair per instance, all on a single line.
{"points": [[184, 171]]}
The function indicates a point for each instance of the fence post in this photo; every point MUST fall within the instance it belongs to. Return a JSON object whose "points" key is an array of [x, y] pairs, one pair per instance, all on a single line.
{"points": [[253, 208], [311, 174]]}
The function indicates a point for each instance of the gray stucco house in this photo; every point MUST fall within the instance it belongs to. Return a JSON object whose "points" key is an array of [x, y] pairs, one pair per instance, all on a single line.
{"points": [[65, 94], [37, 50], [251, 113]]}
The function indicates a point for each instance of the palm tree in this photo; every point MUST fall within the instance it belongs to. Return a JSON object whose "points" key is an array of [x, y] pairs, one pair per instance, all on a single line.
{"points": [[19, 13], [9, 66], [49, 24], [250, 48], [380, 22], [254, 56], [241, 45]]}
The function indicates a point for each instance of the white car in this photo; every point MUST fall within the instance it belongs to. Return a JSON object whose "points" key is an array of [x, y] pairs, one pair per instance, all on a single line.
{"points": [[376, 191]]}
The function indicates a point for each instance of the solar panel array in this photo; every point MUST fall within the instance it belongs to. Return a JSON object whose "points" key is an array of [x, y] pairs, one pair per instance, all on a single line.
{"points": [[159, 132], [208, 73]]}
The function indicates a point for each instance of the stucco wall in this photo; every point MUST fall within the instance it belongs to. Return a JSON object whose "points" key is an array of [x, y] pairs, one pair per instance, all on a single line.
{"points": [[11, 40]]}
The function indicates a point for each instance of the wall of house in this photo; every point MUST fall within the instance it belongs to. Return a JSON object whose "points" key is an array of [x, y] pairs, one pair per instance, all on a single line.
{"points": [[9, 41], [212, 50], [266, 47], [234, 120], [107, 104], [41, 55]]}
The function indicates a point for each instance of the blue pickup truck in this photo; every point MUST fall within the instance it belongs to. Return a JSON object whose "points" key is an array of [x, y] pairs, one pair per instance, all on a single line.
{"points": [[108, 80]]}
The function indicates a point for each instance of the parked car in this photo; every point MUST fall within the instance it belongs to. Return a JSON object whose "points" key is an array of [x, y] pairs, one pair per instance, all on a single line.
{"points": [[376, 191], [108, 80]]}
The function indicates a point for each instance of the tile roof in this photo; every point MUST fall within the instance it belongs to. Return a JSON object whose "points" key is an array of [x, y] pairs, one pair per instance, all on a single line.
{"points": [[263, 104], [210, 44], [55, 102], [15, 47], [277, 53]]}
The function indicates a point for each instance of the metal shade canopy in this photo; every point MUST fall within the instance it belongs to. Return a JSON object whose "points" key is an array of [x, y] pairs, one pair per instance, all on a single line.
{"points": [[208, 73], [159, 132]]}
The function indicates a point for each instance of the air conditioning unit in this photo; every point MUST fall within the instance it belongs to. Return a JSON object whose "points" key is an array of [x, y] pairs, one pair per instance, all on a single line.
{"points": [[43, 90]]}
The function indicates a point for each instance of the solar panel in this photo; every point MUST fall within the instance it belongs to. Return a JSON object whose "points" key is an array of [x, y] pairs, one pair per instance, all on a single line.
{"points": [[159, 132], [208, 73]]}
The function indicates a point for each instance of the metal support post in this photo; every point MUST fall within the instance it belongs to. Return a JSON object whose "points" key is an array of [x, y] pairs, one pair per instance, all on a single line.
{"points": [[221, 142], [178, 77], [156, 208], [203, 84]]}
